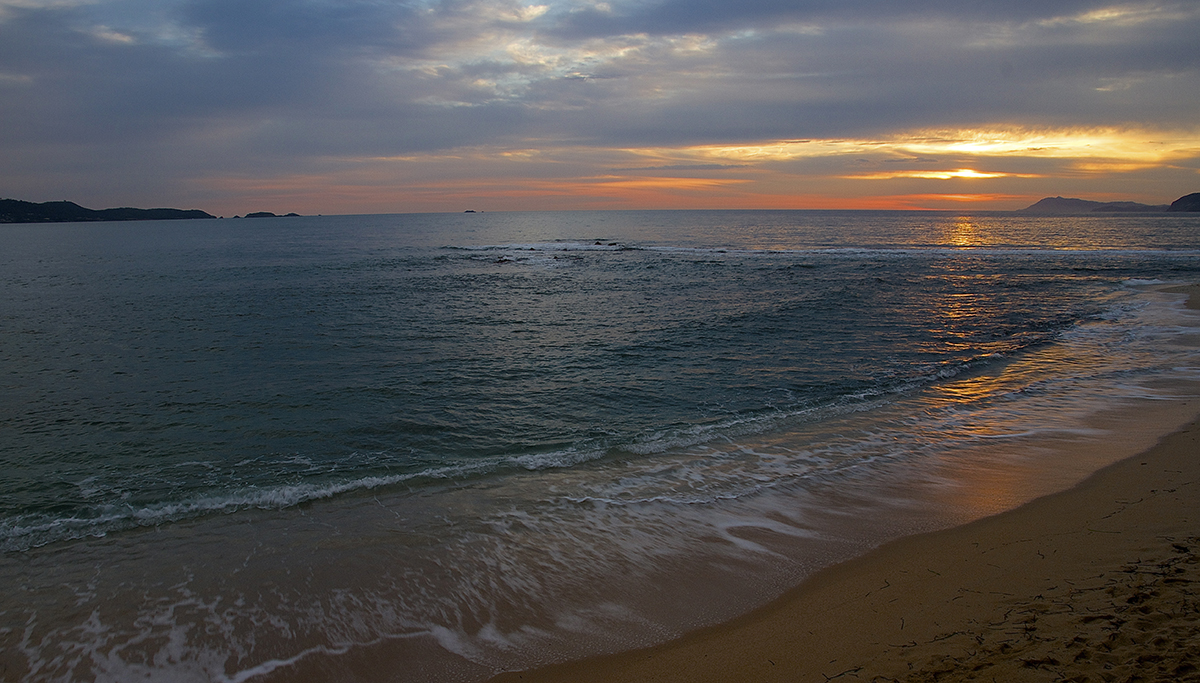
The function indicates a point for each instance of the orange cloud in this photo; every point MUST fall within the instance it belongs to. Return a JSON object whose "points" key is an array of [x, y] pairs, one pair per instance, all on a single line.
{"points": [[1005, 169], [936, 175]]}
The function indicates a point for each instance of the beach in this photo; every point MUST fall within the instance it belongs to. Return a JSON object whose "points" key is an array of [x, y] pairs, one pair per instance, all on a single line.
{"points": [[441, 448], [1096, 583]]}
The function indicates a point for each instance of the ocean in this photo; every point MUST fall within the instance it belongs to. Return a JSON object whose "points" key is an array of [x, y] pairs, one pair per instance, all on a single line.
{"points": [[435, 447]]}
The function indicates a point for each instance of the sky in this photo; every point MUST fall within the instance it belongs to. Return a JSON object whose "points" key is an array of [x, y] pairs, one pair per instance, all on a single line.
{"points": [[379, 106]]}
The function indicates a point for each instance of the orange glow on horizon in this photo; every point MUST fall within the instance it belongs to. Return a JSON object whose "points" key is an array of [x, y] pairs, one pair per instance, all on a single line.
{"points": [[1124, 145], [937, 175], [1007, 169]]}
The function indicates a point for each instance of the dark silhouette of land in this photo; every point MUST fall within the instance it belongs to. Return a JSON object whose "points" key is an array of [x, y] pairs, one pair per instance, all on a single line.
{"points": [[268, 214], [1053, 206], [17, 211], [1190, 202]]}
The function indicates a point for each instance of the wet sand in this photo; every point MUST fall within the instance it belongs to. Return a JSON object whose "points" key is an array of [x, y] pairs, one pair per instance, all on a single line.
{"points": [[1097, 583]]}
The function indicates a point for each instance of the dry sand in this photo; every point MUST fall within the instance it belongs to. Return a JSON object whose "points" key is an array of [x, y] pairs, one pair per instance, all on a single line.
{"points": [[1098, 583]]}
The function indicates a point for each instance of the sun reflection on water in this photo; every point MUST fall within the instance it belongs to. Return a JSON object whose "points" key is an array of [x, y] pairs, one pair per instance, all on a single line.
{"points": [[964, 233]]}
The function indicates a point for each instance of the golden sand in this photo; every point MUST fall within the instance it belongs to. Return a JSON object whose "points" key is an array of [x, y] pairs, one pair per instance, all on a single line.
{"points": [[1097, 583]]}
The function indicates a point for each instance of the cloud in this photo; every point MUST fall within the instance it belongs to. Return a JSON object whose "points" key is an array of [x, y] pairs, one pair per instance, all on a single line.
{"points": [[936, 175], [161, 96], [709, 16], [681, 167]]}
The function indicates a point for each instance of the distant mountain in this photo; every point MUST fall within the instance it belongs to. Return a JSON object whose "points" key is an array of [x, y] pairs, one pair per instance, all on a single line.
{"points": [[268, 214], [1190, 202], [1053, 206], [17, 211], [1129, 207]]}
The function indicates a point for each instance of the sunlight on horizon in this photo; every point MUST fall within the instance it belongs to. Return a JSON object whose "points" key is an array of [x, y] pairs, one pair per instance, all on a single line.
{"points": [[1071, 143], [937, 175], [921, 169]]}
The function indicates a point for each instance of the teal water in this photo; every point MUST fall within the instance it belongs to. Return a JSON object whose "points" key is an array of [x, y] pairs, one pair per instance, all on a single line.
{"points": [[235, 447]]}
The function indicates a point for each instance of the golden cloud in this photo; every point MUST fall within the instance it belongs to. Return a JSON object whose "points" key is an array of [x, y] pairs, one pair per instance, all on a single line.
{"points": [[937, 175]]}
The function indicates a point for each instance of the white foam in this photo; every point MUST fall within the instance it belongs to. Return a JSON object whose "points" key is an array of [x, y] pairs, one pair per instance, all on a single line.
{"points": [[1110, 348], [29, 531], [547, 247]]}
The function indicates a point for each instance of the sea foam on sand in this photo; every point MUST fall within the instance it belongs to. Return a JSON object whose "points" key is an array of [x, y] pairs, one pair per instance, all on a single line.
{"points": [[1097, 583]]}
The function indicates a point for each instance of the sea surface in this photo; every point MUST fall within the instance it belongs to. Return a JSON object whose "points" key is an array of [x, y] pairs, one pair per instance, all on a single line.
{"points": [[433, 447]]}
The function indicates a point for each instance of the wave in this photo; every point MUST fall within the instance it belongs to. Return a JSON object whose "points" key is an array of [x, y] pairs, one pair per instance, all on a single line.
{"points": [[600, 508], [23, 532], [583, 245], [29, 530], [520, 248]]}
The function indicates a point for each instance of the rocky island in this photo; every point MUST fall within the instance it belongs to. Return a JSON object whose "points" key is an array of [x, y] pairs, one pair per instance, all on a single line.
{"points": [[1190, 202], [17, 211], [1059, 206], [268, 214]]}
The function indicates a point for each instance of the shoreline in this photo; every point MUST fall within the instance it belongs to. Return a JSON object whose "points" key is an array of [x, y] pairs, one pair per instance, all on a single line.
{"points": [[1100, 581], [1103, 577]]}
